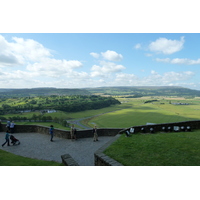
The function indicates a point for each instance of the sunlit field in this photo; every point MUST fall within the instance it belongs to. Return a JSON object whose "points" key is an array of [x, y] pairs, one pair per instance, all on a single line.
{"points": [[135, 112]]}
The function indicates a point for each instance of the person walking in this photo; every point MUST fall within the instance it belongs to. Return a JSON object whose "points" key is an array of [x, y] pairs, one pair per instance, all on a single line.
{"points": [[7, 139], [94, 130], [51, 129]]}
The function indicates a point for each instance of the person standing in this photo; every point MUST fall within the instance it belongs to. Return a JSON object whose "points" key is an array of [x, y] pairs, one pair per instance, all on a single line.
{"points": [[73, 132], [8, 125], [95, 134], [12, 126], [7, 139], [51, 129]]}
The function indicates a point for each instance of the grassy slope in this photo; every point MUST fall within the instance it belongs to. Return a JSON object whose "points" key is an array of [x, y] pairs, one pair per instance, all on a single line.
{"points": [[9, 159], [162, 149]]}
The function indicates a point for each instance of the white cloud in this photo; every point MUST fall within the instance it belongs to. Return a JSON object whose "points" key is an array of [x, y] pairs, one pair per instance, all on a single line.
{"points": [[184, 61], [48, 64], [166, 46], [95, 55], [105, 68], [166, 60], [112, 55], [21, 51], [138, 46], [30, 49], [169, 77]]}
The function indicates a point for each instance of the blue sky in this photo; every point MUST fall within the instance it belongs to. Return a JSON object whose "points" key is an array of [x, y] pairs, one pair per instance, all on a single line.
{"points": [[99, 43], [78, 60]]}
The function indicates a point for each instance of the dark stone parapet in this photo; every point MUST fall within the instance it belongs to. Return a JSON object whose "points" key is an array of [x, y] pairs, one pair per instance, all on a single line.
{"points": [[60, 132], [68, 160], [159, 127], [100, 159]]}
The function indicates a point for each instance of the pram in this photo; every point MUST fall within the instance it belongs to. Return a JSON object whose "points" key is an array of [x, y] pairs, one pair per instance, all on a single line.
{"points": [[14, 140]]}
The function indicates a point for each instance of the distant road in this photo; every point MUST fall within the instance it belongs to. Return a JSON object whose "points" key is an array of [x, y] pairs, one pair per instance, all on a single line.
{"points": [[78, 121]]}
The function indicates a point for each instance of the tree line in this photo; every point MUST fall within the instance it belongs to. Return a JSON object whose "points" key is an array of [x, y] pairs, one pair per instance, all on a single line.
{"points": [[72, 103]]}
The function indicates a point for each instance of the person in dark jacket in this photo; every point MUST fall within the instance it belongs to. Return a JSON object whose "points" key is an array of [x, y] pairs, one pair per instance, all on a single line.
{"points": [[7, 136], [51, 129]]}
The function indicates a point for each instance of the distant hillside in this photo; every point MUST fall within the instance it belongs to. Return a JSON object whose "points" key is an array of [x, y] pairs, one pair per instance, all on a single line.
{"points": [[41, 92], [138, 91]]}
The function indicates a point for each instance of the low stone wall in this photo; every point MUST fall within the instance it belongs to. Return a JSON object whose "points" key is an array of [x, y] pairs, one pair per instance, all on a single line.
{"points": [[68, 160], [100, 159], [59, 132], [158, 127]]}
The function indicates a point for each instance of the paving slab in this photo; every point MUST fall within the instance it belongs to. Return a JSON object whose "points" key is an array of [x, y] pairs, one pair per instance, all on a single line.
{"points": [[36, 145]]}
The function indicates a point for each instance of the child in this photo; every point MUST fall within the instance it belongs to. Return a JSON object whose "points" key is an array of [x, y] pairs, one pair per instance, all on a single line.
{"points": [[7, 139], [51, 132]]}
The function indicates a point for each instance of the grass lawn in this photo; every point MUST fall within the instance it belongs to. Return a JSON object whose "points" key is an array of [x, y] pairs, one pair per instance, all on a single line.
{"points": [[160, 149], [9, 159]]}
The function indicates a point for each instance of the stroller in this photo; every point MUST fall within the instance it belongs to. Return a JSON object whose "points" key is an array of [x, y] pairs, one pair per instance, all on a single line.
{"points": [[14, 140]]}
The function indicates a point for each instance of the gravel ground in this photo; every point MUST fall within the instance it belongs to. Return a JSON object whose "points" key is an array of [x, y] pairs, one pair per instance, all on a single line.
{"points": [[36, 145]]}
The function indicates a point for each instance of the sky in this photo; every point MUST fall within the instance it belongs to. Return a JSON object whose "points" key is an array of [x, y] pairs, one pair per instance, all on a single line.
{"points": [[79, 60], [87, 43]]}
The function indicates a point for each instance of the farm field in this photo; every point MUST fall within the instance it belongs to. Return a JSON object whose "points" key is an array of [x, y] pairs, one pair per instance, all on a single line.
{"points": [[160, 149], [133, 112]]}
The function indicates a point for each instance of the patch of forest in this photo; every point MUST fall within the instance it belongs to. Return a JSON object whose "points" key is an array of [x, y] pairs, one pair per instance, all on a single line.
{"points": [[71, 103], [33, 92]]}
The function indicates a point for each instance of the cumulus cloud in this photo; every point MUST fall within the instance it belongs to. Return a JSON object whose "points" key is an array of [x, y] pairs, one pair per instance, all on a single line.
{"points": [[105, 68], [112, 56], [169, 77], [30, 49], [21, 51], [184, 61], [95, 55], [49, 64], [166, 46], [138, 46]]}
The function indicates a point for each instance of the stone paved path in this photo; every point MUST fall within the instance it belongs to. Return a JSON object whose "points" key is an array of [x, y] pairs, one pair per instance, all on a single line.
{"points": [[36, 145]]}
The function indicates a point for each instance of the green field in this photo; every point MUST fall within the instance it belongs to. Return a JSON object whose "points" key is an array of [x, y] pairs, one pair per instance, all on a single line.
{"points": [[135, 112], [161, 149], [131, 112], [9, 159]]}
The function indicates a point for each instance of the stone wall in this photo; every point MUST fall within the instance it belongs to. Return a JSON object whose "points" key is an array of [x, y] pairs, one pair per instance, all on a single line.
{"points": [[158, 127], [67, 160], [59, 132], [100, 159]]}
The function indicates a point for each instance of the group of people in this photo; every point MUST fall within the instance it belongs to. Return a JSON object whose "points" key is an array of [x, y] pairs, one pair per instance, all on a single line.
{"points": [[73, 132], [10, 126], [10, 129]]}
